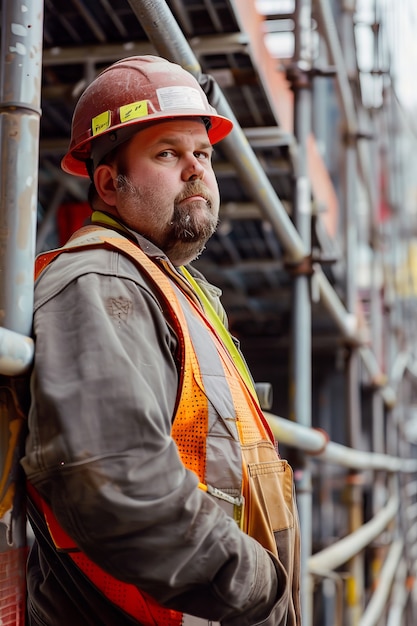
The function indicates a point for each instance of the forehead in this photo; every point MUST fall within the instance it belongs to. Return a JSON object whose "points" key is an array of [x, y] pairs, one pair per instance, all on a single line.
{"points": [[177, 130]]}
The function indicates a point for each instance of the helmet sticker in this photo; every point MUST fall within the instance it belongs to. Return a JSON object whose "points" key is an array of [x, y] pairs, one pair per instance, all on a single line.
{"points": [[100, 123], [180, 97], [133, 110]]}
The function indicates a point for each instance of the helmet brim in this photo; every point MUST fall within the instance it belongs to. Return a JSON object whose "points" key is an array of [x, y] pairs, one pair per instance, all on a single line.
{"points": [[74, 162]]}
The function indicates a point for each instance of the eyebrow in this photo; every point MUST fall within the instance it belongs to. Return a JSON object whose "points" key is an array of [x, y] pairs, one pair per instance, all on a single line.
{"points": [[173, 141]]}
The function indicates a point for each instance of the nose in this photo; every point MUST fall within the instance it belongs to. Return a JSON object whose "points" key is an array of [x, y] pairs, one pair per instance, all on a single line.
{"points": [[192, 169]]}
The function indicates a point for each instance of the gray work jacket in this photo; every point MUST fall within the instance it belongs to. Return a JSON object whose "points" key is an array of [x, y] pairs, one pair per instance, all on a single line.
{"points": [[100, 452]]}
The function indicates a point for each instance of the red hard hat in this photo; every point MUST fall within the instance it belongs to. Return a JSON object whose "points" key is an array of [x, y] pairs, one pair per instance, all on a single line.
{"points": [[130, 92]]}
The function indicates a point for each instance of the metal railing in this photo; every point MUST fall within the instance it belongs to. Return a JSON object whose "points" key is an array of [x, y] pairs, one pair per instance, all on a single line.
{"points": [[323, 564]]}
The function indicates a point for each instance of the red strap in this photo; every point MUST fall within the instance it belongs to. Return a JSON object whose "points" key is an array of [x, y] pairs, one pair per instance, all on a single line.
{"points": [[61, 539], [127, 597]]}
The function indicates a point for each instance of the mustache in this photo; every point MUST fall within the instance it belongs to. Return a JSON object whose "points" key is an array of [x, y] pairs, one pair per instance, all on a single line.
{"points": [[191, 188], [195, 188]]}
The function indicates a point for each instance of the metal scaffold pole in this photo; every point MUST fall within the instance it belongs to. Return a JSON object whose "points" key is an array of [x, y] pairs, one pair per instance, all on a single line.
{"points": [[21, 65], [20, 86], [299, 75], [355, 581]]}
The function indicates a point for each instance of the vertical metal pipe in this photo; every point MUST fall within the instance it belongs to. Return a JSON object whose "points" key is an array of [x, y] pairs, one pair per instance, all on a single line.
{"points": [[355, 583], [20, 88], [376, 324], [377, 330], [301, 343]]}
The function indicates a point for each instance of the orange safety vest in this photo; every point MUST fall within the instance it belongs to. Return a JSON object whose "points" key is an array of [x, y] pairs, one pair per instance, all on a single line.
{"points": [[264, 475]]}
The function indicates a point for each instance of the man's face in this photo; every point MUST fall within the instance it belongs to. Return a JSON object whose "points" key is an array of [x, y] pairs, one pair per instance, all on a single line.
{"points": [[166, 187]]}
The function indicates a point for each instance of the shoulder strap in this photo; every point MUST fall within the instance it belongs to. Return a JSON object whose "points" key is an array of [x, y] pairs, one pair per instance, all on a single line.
{"points": [[222, 331], [97, 236]]}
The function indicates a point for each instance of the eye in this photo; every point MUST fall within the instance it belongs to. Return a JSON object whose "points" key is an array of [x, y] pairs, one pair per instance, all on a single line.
{"points": [[202, 156], [167, 154]]}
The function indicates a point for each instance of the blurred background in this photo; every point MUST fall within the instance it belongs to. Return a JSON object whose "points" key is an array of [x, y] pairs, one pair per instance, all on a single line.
{"points": [[315, 253]]}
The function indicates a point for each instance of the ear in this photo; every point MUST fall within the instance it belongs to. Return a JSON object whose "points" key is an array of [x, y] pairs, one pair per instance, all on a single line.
{"points": [[104, 181]]}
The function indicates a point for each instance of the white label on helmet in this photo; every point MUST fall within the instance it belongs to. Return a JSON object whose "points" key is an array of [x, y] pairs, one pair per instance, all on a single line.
{"points": [[180, 97]]}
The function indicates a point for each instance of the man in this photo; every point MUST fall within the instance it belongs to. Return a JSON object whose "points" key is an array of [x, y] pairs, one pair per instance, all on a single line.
{"points": [[156, 494]]}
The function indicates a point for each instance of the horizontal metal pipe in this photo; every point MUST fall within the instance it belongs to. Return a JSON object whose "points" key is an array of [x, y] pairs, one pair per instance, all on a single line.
{"points": [[340, 552], [297, 436], [317, 443], [16, 352], [228, 43], [379, 598], [342, 455]]}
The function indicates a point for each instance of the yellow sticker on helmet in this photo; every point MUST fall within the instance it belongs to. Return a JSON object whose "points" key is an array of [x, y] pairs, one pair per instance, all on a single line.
{"points": [[100, 123], [133, 110]]}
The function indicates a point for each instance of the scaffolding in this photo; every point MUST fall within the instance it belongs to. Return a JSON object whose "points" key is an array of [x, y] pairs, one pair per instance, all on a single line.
{"points": [[354, 435]]}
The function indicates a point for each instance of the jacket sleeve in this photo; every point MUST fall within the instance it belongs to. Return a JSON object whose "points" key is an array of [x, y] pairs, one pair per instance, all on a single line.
{"points": [[100, 452]]}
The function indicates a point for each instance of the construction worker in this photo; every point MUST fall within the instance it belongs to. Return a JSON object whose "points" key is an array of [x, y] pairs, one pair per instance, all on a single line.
{"points": [[156, 493]]}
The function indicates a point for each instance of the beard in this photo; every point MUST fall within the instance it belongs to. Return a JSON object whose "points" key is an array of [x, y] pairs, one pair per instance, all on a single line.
{"points": [[183, 238], [190, 224]]}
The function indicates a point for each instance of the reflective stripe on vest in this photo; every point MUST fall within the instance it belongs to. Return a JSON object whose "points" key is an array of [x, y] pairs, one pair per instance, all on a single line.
{"points": [[202, 398]]}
